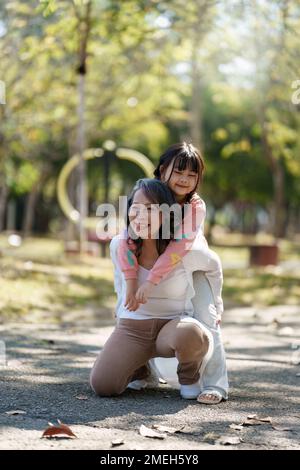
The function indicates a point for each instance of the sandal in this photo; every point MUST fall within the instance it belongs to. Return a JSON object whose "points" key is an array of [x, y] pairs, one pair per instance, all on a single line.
{"points": [[215, 397]]}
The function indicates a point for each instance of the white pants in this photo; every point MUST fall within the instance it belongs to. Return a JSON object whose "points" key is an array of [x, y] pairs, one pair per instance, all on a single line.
{"points": [[214, 373]]}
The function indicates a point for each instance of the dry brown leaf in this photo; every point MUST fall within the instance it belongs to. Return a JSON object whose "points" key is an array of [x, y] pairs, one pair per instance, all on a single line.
{"points": [[229, 440], [117, 442], [60, 430], [254, 420], [167, 429], [148, 432], [15, 412], [82, 397], [282, 428]]}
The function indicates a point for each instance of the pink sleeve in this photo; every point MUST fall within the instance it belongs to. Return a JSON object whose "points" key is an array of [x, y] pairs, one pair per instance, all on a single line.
{"points": [[127, 259], [179, 247]]}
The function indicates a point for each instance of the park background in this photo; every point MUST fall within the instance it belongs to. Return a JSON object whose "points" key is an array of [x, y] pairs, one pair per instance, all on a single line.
{"points": [[146, 74], [141, 75]]}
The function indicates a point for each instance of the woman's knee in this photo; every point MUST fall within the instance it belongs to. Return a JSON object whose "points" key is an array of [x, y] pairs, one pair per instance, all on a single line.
{"points": [[192, 340], [105, 388]]}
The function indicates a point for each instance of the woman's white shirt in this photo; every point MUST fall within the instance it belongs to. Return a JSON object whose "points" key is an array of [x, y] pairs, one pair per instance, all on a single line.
{"points": [[167, 300]]}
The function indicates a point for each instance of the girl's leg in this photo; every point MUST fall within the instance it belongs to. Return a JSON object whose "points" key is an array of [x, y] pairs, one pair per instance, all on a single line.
{"points": [[214, 377], [188, 343], [128, 348]]}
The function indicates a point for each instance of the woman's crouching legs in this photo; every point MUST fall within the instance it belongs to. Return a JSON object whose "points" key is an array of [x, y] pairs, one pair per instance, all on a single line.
{"points": [[116, 364]]}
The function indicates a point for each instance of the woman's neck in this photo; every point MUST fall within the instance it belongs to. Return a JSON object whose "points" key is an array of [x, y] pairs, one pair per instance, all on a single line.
{"points": [[149, 254]]}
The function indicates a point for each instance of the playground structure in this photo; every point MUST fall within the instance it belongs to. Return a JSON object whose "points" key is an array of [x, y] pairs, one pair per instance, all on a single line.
{"points": [[107, 152]]}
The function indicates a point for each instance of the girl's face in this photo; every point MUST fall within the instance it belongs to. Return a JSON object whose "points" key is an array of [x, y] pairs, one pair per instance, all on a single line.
{"points": [[180, 182], [144, 216]]}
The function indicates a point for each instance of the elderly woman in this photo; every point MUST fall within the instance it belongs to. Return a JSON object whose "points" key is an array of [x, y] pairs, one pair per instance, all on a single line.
{"points": [[165, 326]]}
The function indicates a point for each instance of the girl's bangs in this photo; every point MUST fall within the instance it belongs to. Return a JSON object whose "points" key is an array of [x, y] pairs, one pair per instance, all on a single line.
{"points": [[184, 161]]}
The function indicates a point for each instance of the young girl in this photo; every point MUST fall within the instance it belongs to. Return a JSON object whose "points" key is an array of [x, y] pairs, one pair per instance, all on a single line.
{"points": [[181, 168]]}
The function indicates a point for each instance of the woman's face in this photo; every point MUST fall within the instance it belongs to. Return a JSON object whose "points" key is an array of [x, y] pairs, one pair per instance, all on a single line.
{"points": [[182, 182], [144, 216]]}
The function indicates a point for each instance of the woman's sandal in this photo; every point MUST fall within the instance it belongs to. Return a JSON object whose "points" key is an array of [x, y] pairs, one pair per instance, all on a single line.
{"points": [[211, 397]]}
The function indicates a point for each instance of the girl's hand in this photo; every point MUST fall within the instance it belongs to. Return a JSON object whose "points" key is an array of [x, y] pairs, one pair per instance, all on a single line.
{"points": [[130, 302], [144, 292]]}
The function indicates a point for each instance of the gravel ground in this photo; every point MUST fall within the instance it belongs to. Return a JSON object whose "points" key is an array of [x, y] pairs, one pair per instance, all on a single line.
{"points": [[46, 377]]}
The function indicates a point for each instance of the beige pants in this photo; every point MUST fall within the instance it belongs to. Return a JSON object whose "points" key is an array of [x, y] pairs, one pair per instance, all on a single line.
{"points": [[134, 342]]}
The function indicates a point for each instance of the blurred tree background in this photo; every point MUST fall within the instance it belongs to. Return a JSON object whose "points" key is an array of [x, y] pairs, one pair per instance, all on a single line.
{"points": [[146, 74]]}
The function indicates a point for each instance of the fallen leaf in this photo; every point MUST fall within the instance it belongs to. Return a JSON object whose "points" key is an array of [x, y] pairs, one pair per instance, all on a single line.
{"points": [[15, 412], [228, 440], [117, 442], [267, 419], [282, 428], [254, 420], [147, 432], [82, 397], [60, 430], [237, 427], [167, 429]]}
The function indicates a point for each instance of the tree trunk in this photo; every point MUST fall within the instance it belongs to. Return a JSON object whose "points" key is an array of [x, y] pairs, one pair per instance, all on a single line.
{"points": [[277, 171], [3, 200], [82, 193], [71, 231], [84, 27], [30, 206]]}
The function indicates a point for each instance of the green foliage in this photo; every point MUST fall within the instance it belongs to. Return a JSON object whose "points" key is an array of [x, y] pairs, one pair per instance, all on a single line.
{"points": [[138, 89]]}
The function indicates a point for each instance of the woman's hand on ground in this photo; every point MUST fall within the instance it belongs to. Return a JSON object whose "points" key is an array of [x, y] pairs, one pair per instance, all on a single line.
{"points": [[144, 292]]}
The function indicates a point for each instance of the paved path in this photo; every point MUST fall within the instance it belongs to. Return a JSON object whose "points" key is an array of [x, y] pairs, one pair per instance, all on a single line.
{"points": [[48, 367]]}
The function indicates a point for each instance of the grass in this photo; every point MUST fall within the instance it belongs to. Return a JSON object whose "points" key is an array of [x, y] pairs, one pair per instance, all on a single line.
{"points": [[40, 283]]}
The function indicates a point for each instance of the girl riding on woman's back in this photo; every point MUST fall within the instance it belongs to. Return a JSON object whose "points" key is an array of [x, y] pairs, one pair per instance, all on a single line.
{"points": [[181, 168]]}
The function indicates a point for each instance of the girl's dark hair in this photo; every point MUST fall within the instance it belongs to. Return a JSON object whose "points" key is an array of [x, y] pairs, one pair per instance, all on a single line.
{"points": [[183, 155], [158, 193]]}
